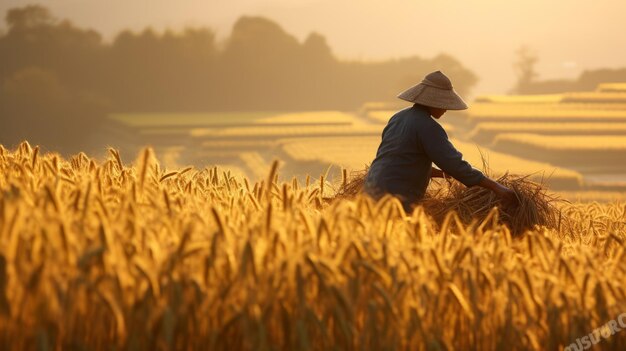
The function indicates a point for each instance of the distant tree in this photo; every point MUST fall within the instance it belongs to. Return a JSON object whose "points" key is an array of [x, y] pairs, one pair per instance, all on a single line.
{"points": [[525, 69], [315, 48], [55, 73], [463, 78], [168, 72], [36, 38], [588, 80], [29, 16], [36, 106], [260, 60]]}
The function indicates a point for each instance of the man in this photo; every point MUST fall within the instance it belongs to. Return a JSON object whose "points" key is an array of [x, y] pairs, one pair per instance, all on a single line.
{"points": [[412, 141]]}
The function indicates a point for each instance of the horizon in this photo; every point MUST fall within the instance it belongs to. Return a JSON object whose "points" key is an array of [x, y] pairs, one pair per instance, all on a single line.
{"points": [[480, 49]]}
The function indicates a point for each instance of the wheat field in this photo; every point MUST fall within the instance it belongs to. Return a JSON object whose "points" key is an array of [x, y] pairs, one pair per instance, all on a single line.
{"points": [[109, 255], [547, 112], [485, 133], [566, 142]]}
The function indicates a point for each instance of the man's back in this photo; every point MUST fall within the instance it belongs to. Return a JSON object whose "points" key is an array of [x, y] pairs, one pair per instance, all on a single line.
{"points": [[411, 142], [400, 166]]}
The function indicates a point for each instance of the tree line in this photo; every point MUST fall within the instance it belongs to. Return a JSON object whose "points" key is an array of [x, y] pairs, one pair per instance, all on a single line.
{"points": [[57, 78], [528, 81]]}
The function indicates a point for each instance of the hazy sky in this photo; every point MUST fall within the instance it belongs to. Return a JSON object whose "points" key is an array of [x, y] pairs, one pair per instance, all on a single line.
{"points": [[568, 35]]}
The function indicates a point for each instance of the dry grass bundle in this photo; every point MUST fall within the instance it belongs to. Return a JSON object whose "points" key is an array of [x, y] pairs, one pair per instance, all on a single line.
{"points": [[352, 186], [537, 207]]}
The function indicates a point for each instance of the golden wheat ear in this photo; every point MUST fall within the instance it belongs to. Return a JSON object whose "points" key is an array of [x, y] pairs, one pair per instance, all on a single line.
{"points": [[164, 259]]}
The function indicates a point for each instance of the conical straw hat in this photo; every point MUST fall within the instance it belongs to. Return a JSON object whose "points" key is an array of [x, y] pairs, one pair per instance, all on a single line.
{"points": [[434, 91]]}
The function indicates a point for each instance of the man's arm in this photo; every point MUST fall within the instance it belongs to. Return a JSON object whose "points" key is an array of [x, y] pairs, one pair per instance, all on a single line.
{"points": [[439, 149], [437, 173]]}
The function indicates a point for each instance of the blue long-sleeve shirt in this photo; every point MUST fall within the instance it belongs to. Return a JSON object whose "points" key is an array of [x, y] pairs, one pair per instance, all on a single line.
{"points": [[411, 142]]}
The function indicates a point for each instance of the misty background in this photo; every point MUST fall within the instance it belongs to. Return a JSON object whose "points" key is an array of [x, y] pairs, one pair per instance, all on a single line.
{"points": [[569, 36], [66, 65]]}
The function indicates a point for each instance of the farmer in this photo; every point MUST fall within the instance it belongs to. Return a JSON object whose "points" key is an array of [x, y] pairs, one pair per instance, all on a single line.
{"points": [[412, 141]]}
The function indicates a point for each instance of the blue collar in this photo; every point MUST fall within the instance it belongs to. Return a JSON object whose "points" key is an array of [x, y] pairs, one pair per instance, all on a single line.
{"points": [[421, 108]]}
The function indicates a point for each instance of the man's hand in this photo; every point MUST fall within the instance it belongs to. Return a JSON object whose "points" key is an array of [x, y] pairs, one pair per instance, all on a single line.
{"points": [[509, 197]]}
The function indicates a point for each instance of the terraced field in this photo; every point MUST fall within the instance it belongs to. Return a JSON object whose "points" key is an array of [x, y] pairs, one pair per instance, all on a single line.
{"points": [[576, 140], [310, 117], [349, 152], [354, 153], [518, 99], [592, 154], [168, 120], [272, 132], [381, 116], [582, 131], [547, 113], [220, 138], [566, 142], [611, 87], [606, 97], [485, 133]]}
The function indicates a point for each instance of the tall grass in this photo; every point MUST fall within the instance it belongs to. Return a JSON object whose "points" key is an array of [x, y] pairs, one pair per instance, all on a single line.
{"points": [[116, 255]]}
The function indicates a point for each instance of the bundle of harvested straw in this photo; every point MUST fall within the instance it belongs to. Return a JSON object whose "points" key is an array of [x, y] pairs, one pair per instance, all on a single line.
{"points": [[536, 206], [352, 186]]}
